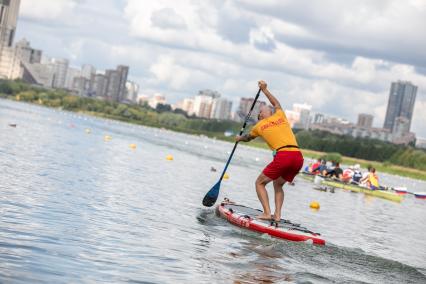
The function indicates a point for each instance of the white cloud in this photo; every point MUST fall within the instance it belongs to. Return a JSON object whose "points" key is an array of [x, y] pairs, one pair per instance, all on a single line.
{"points": [[178, 47], [47, 9]]}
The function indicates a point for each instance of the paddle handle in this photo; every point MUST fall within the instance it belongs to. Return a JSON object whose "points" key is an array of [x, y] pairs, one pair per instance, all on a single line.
{"points": [[241, 133]]}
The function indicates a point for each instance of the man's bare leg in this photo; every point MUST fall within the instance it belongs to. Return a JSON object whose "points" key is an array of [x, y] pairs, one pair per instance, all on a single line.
{"points": [[261, 182], [279, 197]]}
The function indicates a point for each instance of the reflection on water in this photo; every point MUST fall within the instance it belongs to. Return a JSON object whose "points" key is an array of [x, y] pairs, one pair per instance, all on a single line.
{"points": [[77, 208]]}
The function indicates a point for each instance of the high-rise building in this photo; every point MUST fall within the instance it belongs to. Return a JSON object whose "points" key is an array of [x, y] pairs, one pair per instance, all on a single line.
{"points": [[123, 73], [365, 120], [42, 74], [72, 73], [318, 118], [98, 85], [132, 91], [188, 106], [9, 10], [221, 109], [25, 52], [203, 103], [113, 85], [87, 71], [116, 85], [304, 111], [402, 97], [19, 57], [245, 105], [82, 86], [401, 127], [203, 106], [60, 67]]}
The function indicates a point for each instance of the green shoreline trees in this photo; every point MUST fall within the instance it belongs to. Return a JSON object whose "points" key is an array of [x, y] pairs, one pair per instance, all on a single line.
{"points": [[367, 149]]}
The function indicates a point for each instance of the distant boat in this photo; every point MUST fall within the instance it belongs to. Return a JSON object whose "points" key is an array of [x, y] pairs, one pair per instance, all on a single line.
{"points": [[12, 125], [420, 195], [400, 190], [228, 133]]}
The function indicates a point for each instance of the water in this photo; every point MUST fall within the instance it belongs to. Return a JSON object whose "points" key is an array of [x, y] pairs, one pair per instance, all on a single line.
{"points": [[77, 209]]}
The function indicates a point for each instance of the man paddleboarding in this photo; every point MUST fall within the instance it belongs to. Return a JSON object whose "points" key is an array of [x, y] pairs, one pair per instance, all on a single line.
{"points": [[275, 129]]}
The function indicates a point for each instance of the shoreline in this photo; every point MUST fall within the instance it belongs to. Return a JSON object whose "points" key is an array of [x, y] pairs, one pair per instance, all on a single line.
{"points": [[381, 167]]}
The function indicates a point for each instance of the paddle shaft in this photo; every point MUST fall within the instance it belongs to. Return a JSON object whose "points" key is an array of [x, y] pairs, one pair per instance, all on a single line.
{"points": [[241, 133]]}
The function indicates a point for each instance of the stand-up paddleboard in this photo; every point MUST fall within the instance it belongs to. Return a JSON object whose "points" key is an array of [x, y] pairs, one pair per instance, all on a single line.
{"points": [[245, 217]]}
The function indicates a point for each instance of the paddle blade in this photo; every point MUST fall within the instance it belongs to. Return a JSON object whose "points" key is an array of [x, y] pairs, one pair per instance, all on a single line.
{"points": [[210, 199]]}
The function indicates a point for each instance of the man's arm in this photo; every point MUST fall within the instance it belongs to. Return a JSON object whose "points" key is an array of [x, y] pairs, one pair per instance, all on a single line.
{"points": [[244, 138], [264, 87]]}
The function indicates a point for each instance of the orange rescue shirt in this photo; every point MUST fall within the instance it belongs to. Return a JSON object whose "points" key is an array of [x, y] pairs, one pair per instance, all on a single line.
{"points": [[276, 131]]}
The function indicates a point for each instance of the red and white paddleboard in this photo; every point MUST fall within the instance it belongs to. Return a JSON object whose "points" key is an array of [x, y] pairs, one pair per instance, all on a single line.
{"points": [[245, 217]]}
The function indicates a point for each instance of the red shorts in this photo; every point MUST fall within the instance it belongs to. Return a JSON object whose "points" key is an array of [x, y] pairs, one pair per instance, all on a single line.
{"points": [[286, 164]]}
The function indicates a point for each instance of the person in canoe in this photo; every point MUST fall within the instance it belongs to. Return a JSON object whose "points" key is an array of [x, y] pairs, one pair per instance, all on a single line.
{"points": [[357, 176], [315, 166], [275, 129], [321, 169], [335, 172], [371, 180]]}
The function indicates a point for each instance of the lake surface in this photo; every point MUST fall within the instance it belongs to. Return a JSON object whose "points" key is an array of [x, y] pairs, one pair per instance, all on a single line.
{"points": [[77, 209]]}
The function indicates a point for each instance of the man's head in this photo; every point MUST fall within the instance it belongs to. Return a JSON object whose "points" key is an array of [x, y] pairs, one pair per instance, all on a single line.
{"points": [[265, 112]]}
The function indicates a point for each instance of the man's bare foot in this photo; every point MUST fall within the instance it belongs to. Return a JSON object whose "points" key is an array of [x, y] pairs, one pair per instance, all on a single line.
{"points": [[276, 217], [264, 217]]}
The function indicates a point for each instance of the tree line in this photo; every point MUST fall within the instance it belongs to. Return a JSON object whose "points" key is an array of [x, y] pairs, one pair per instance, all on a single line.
{"points": [[164, 116], [362, 148]]}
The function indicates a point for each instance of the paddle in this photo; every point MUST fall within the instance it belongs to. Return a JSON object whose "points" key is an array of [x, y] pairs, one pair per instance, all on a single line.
{"points": [[211, 196]]}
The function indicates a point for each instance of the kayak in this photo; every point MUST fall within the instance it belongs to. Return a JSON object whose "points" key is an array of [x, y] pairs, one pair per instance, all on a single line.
{"points": [[388, 195], [245, 217], [392, 196], [400, 190], [420, 195]]}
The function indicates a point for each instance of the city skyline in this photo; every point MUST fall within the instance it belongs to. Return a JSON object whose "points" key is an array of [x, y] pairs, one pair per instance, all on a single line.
{"points": [[298, 66]]}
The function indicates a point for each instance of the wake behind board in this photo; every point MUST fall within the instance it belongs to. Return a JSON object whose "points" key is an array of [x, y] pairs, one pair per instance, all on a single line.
{"points": [[245, 217]]}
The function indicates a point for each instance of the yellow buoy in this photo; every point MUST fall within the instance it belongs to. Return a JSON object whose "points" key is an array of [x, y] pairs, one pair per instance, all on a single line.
{"points": [[315, 205], [225, 176], [169, 158], [132, 146], [88, 130], [107, 138]]}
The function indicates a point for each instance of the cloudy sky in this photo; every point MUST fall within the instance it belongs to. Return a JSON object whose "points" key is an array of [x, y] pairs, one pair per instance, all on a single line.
{"points": [[338, 56]]}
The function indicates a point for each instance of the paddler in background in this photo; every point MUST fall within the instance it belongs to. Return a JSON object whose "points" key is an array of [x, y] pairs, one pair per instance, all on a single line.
{"points": [[335, 172], [315, 165], [357, 175], [321, 169], [275, 129], [371, 180], [348, 174]]}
